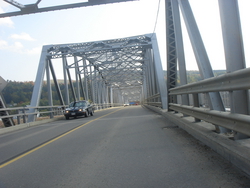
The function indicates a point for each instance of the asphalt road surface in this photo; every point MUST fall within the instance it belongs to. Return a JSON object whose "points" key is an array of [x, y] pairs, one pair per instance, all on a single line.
{"points": [[117, 148]]}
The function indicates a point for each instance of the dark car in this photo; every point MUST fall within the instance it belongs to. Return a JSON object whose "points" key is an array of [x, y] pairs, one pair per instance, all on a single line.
{"points": [[79, 108]]}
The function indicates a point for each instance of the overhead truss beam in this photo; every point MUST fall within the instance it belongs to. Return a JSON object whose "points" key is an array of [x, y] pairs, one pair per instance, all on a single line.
{"points": [[33, 8], [111, 68]]}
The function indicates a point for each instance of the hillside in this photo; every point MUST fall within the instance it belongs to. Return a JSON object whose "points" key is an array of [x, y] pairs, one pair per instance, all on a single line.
{"points": [[19, 93]]}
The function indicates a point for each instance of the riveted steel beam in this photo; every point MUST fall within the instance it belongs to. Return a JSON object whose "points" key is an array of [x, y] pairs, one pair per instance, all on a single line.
{"points": [[33, 8]]}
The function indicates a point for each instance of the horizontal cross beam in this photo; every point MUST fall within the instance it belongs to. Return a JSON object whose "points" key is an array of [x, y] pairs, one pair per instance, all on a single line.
{"points": [[33, 8]]}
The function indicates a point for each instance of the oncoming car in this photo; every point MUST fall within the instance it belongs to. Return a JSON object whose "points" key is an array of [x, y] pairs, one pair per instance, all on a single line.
{"points": [[79, 108]]}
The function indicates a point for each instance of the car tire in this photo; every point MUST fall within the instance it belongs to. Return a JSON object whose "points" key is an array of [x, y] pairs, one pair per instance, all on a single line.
{"points": [[67, 118], [91, 113], [86, 114]]}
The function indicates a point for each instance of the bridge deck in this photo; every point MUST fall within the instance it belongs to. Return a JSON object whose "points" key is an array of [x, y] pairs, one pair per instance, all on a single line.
{"points": [[119, 147]]}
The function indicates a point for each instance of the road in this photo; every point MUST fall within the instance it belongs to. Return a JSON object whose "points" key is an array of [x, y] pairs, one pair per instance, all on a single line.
{"points": [[120, 147]]}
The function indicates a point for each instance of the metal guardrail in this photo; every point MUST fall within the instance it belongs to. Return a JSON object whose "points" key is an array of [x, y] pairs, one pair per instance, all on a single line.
{"points": [[25, 109], [238, 80], [106, 105], [237, 122], [157, 104], [150, 100], [23, 112]]}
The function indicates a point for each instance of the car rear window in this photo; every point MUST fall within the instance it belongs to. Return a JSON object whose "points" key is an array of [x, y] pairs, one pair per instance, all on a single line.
{"points": [[77, 104]]}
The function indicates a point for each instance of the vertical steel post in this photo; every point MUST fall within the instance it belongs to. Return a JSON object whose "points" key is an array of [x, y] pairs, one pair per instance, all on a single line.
{"points": [[148, 76], [111, 96], [77, 78], [234, 52], [201, 55], [55, 82], [8, 122], [171, 51], [159, 73], [70, 81], [66, 87], [152, 72], [36, 94], [179, 48], [144, 86], [99, 90], [82, 72], [95, 87], [104, 93], [85, 72], [90, 80], [49, 89]]}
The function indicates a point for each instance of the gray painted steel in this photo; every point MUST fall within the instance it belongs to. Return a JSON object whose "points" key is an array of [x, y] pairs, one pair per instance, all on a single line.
{"points": [[33, 8], [7, 121], [179, 49], [171, 50], [237, 122], [36, 94], [234, 51], [238, 80], [116, 71], [199, 51], [200, 54], [159, 73], [120, 64], [3, 83]]}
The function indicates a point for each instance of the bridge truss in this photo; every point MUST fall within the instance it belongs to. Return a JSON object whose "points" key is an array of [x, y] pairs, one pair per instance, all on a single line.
{"points": [[104, 72], [235, 67], [34, 8]]}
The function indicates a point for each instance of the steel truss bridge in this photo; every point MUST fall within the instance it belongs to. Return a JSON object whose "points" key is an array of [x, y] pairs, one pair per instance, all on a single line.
{"points": [[105, 72], [113, 72]]}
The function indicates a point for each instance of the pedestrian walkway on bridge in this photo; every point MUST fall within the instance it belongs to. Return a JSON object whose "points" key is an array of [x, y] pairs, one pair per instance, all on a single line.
{"points": [[120, 147]]}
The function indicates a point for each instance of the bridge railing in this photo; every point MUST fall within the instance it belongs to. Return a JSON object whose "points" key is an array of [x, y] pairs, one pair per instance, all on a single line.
{"points": [[21, 113], [152, 100], [238, 80], [106, 105]]}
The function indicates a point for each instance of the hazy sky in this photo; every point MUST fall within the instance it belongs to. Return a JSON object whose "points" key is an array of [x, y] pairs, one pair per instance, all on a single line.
{"points": [[22, 37]]}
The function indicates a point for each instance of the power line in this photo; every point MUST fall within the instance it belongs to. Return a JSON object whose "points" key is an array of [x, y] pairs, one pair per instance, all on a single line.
{"points": [[156, 17]]}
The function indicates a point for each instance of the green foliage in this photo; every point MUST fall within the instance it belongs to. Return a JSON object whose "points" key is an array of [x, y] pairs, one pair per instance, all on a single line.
{"points": [[20, 93], [194, 75]]}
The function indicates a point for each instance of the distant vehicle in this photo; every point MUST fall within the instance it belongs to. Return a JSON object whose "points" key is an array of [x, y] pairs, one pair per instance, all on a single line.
{"points": [[126, 104], [79, 108]]}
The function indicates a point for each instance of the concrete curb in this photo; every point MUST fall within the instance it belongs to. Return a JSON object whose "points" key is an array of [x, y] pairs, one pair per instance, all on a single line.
{"points": [[234, 151], [26, 125]]}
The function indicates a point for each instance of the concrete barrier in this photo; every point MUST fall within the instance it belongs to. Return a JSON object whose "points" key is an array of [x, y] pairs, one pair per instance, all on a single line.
{"points": [[26, 125], [236, 152]]}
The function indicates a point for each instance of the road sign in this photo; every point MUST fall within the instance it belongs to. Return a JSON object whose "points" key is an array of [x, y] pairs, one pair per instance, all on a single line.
{"points": [[3, 83]]}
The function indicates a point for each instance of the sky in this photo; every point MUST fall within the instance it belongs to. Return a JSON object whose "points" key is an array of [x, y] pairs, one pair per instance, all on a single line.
{"points": [[22, 37]]}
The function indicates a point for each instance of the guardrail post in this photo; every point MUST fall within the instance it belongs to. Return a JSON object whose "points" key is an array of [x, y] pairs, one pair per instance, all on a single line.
{"points": [[18, 117], [24, 115], [196, 104], [234, 52], [51, 114]]}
